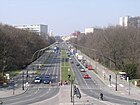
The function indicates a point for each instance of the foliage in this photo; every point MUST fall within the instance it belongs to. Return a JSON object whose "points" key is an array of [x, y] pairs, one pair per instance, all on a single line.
{"points": [[17, 47], [131, 69], [113, 46]]}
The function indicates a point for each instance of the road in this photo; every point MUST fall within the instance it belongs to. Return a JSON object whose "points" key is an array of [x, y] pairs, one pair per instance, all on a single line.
{"points": [[94, 86], [39, 92]]}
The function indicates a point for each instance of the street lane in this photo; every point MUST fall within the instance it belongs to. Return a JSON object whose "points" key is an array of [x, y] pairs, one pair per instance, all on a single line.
{"points": [[94, 86], [39, 92]]}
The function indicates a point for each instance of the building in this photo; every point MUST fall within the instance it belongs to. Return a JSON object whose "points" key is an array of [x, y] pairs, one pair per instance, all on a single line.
{"points": [[91, 30], [41, 29], [128, 21]]}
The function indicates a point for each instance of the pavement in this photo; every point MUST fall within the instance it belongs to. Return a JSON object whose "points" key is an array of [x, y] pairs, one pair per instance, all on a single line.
{"points": [[4, 92]]}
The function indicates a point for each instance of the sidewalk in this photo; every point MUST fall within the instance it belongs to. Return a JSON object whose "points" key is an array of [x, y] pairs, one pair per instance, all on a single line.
{"points": [[10, 92], [123, 87]]}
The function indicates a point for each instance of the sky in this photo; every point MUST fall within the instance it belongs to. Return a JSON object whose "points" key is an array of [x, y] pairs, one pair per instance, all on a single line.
{"points": [[66, 16]]}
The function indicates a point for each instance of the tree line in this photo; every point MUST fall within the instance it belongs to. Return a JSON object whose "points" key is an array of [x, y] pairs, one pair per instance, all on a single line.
{"points": [[17, 47], [115, 47]]}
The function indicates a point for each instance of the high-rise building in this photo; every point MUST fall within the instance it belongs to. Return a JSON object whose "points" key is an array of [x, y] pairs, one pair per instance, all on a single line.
{"points": [[41, 29], [130, 21]]}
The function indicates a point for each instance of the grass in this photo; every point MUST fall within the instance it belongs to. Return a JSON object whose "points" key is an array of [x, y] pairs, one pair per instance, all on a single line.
{"points": [[65, 66], [14, 73], [64, 54], [65, 72], [37, 72]]}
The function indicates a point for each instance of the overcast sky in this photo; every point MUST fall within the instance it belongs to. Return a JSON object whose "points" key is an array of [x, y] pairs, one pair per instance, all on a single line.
{"points": [[66, 16]]}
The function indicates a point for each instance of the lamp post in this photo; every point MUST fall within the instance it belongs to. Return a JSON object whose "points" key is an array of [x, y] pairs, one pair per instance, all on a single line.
{"points": [[13, 84], [129, 85], [27, 75], [22, 80], [116, 83], [71, 91]]}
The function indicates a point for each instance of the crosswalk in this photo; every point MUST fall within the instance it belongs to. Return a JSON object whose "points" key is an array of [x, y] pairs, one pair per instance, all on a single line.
{"points": [[113, 85]]}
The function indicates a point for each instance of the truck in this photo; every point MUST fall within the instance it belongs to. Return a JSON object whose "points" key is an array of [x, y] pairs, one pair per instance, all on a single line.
{"points": [[80, 58]]}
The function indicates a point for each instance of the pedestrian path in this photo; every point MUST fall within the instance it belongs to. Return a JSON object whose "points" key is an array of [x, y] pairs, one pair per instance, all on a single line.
{"points": [[11, 92]]}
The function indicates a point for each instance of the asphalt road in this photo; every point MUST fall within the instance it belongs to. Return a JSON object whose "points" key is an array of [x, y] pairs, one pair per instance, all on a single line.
{"points": [[39, 92], [94, 86]]}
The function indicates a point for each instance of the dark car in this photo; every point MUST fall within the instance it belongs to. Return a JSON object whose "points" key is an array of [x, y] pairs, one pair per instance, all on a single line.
{"points": [[71, 62], [77, 64], [46, 79]]}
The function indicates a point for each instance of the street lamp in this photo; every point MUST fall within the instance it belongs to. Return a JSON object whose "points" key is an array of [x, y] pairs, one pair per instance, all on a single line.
{"points": [[71, 90], [22, 80], [13, 84], [116, 83], [128, 80], [71, 93]]}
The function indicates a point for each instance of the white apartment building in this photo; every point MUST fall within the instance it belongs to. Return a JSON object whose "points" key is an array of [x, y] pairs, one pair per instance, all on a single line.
{"points": [[91, 30], [41, 29], [129, 21]]}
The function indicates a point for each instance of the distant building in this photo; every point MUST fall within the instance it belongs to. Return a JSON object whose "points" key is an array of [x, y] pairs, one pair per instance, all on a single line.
{"points": [[91, 30], [41, 29], [128, 21]]}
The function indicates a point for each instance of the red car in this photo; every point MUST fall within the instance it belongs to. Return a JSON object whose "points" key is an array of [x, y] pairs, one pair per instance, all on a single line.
{"points": [[89, 67], [86, 76]]}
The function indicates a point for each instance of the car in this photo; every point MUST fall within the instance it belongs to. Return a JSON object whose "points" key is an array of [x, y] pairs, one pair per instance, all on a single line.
{"points": [[86, 76], [77, 64], [37, 79], [80, 67], [46, 79], [90, 67], [82, 70], [71, 62]]}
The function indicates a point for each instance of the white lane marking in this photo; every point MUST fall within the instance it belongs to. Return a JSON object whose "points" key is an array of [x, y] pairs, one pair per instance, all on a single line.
{"points": [[109, 86], [123, 93], [121, 85], [113, 85]]}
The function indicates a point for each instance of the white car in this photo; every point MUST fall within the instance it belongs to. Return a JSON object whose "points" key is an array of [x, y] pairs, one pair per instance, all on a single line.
{"points": [[82, 70], [37, 80]]}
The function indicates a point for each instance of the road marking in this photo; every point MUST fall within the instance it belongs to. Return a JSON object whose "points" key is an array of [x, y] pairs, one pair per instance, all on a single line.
{"points": [[109, 86], [123, 93], [121, 85], [113, 85]]}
